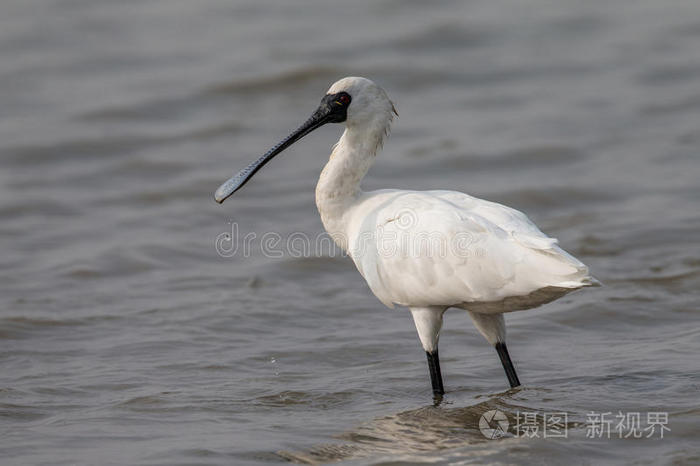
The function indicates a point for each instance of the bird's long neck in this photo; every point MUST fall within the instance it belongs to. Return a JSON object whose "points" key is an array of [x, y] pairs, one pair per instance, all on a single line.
{"points": [[339, 184]]}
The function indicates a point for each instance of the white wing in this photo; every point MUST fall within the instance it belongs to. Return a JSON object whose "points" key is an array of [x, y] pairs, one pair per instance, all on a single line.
{"points": [[447, 248]]}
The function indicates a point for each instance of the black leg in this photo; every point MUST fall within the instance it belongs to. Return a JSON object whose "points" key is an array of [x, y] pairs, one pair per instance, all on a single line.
{"points": [[435, 375], [507, 364]]}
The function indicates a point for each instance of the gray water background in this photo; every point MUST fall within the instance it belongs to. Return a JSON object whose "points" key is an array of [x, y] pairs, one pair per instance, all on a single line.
{"points": [[126, 338]]}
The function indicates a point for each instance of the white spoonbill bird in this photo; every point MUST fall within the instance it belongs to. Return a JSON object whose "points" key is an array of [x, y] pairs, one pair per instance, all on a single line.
{"points": [[426, 250]]}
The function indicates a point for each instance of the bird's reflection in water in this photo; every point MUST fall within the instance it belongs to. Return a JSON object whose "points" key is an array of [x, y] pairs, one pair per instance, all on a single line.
{"points": [[429, 428]]}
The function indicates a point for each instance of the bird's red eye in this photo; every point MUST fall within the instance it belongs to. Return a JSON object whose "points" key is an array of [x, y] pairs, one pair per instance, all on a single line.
{"points": [[344, 98]]}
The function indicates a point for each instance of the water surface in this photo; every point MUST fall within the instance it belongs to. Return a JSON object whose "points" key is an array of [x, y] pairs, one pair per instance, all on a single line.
{"points": [[125, 338]]}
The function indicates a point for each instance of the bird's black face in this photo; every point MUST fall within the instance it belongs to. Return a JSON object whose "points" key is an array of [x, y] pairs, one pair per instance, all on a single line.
{"points": [[333, 109], [336, 105]]}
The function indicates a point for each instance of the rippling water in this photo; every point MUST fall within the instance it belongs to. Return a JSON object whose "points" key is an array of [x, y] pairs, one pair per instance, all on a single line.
{"points": [[125, 338]]}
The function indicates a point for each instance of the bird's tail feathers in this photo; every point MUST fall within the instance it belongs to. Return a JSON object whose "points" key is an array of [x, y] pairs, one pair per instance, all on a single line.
{"points": [[564, 270]]}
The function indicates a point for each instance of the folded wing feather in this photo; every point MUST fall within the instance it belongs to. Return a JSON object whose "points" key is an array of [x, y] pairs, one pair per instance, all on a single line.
{"points": [[447, 248]]}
